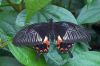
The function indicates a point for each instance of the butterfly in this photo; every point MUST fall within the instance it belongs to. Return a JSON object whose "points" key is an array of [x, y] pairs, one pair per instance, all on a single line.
{"points": [[39, 35]]}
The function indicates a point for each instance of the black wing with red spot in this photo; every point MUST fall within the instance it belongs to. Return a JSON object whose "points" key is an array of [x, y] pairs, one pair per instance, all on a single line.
{"points": [[35, 35], [68, 33]]}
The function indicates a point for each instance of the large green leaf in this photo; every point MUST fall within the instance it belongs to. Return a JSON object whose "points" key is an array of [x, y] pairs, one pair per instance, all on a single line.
{"points": [[7, 22], [57, 14], [51, 11], [54, 58], [90, 14], [26, 56], [84, 58], [8, 61], [32, 6]]}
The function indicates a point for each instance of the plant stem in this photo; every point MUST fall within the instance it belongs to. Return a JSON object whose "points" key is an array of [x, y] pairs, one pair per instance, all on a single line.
{"points": [[17, 7], [69, 4]]}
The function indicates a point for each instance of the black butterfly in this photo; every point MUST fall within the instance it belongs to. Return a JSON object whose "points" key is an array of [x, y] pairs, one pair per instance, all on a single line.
{"points": [[64, 33]]}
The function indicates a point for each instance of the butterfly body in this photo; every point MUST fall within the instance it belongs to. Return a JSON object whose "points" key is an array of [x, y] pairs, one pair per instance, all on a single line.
{"points": [[64, 33]]}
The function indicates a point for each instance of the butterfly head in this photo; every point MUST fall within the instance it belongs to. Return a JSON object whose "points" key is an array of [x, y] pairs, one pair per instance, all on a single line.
{"points": [[62, 46], [43, 47]]}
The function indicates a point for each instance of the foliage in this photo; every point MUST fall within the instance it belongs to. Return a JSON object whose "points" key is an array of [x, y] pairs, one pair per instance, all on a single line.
{"points": [[14, 14]]}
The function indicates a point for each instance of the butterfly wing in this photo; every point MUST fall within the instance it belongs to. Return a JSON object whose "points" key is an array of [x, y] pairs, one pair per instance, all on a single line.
{"points": [[67, 33], [76, 33], [71, 32], [33, 34], [26, 37]]}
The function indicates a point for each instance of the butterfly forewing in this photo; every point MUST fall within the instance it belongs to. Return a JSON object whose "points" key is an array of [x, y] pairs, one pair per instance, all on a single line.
{"points": [[32, 34], [27, 36], [71, 32], [76, 34]]}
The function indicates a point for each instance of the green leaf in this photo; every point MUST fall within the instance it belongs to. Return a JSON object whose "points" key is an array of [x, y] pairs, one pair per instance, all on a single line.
{"points": [[81, 58], [1, 31], [32, 6], [90, 14], [89, 1], [2, 39], [57, 14], [54, 58], [16, 1], [0, 2], [51, 11], [7, 22], [26, 56], [8, 61]]}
